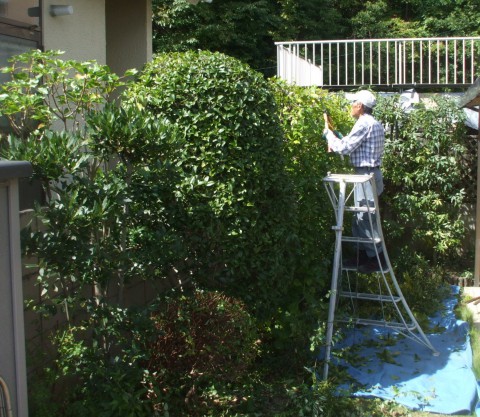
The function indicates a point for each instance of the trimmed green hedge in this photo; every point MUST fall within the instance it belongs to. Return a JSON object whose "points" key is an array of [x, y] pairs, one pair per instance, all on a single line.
{"points": [[228, 197]]}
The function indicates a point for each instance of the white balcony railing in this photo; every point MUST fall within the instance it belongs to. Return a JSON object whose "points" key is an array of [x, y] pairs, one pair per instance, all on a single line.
{"points": [[380, 62]]}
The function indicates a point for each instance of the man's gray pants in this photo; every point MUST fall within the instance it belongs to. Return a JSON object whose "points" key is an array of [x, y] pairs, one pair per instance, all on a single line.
{"points": [[361, 224]]}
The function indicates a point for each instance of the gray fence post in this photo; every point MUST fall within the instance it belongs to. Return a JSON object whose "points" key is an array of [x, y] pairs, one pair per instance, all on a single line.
{"points": [[12, 341]]}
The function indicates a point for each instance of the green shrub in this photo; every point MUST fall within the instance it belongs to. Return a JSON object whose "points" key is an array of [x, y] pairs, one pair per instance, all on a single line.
{"points": [[202, 340], [425, 174], [300, 111], [318, 398], [99, 368], [229, 198], [45, 89], [423, 285], [91, 242], [308, 161]]}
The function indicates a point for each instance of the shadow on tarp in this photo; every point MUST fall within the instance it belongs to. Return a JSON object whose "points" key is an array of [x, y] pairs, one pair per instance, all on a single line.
{"points": [[385, 365]]}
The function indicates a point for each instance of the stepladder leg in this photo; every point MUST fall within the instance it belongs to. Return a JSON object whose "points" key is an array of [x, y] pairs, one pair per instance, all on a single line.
{"points": [[335, 277]]}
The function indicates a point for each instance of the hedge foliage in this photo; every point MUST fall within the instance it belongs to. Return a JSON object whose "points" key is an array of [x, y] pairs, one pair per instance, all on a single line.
{"points": [[228, 196], [427, 175], [203, 342]]}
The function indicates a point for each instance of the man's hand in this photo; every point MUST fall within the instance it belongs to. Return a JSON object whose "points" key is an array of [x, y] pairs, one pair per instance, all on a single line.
{"points": [[329, 135]]}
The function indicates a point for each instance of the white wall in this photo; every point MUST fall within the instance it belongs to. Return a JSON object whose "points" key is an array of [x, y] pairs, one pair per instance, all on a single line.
{"points": [[296, 70], [18, 10], [117, 33], [82, 35], [129, 34]]}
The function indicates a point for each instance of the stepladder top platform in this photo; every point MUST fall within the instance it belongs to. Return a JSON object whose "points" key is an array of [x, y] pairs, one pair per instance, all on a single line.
{"points": [[348, 178]]}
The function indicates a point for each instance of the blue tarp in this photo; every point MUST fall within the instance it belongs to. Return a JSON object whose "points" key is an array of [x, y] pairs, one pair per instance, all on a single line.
{"points": [[399, 369]]}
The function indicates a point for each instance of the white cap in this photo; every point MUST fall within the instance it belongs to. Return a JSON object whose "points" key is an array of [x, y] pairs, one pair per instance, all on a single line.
{"points": [[366, 98]]}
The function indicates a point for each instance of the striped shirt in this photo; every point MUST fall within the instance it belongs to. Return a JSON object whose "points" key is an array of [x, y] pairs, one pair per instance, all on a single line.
{"points": [[364, 144]]}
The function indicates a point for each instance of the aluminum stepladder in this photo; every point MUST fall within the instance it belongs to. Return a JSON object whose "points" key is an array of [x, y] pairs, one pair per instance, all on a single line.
{"points": [[341, 190]]}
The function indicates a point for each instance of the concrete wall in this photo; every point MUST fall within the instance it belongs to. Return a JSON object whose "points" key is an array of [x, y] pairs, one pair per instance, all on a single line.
{"points": [[17, 10], [129, 34], [81, 35], [117, 33]]}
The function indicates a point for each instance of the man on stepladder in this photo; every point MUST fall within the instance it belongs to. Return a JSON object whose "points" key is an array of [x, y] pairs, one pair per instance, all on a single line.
{"points": [[364, 145]]}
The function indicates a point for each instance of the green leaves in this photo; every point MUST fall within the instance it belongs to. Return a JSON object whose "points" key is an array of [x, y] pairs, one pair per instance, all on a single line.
{"points": [[129, 133], [54, 155], [46, 89], [241, 29], [227, 196], [427, 172]]}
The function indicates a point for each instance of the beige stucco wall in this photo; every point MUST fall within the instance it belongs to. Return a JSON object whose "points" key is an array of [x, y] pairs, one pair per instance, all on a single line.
{"points": [[18, 10], [82, 35], [113, 32], [129, 34]]}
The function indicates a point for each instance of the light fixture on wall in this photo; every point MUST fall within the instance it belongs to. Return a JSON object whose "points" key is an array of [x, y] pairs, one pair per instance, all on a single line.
{"points": [[61, 10]]}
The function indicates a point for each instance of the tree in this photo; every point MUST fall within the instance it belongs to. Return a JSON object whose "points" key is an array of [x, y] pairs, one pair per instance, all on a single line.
{"points": [[246, 30], [460, 18], [416, 18], [228, 195], [241, 29], [310, 20]]}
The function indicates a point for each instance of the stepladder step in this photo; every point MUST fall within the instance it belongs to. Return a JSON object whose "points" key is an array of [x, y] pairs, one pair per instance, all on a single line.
{"points": [[370, 297], [353, 239], [362, 209], [393, 325]]}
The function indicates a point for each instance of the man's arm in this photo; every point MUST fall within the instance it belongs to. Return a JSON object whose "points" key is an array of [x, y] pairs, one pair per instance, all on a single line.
{"points": [[348, 143]]}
